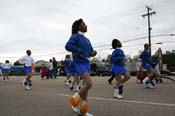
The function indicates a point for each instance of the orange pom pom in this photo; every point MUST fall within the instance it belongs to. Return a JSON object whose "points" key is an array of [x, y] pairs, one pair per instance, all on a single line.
{"points": [[84, 108], [75, 101]]}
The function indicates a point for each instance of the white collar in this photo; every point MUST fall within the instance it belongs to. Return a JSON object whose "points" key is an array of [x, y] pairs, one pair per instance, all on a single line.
{"points": [[81, 33]]}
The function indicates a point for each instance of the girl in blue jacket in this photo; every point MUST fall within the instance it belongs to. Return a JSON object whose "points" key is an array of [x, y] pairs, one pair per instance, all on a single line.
{"points": [[146, 64], [82, 50], [67, 64], [76, 80], [118, 68]]}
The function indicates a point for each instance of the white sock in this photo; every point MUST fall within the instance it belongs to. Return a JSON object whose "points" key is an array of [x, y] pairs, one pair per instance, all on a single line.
{"points": [[116, 91], [76, 95], [70, 85], [77, 87]]}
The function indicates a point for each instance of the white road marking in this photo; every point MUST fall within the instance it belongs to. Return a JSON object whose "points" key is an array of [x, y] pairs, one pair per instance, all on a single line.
{"points": [[126, 101]]}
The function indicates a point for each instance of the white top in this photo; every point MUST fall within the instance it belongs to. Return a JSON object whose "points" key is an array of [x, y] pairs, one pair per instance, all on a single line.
{"points": [[0, 72], [6, 66], [50, 65], [156, 68], [26, 60], [81, 33]]}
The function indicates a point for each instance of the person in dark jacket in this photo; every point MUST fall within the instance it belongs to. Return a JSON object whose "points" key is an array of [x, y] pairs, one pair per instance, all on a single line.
{"points": [[55, 68]]}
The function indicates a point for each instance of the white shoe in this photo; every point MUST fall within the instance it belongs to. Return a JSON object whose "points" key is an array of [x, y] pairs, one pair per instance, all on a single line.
{"points": [[145, 80], [6, 80], [67, 83], [154, 81], [77, 89], [118, 96], [23, 83], [150, 86], [75, 109], [27, 87], [87, 114]]}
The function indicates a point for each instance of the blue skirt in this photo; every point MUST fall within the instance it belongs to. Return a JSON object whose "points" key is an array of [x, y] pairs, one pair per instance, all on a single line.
{"points": [[117, 70], [75, 74], [83, 68], [68, 70], [111, 70], [27, 69], [5, 70]]}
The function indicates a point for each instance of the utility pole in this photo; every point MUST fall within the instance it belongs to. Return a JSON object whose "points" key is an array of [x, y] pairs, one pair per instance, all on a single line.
{"points": [[149, 28]]}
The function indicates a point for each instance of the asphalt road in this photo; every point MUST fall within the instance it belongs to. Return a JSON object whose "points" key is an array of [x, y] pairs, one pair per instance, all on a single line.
{"points": [[51, 98]]}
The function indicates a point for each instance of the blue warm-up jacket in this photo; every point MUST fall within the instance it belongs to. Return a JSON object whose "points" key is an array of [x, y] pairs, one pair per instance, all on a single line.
{"points": [[118, 57], [145, 57], [80, 47]]}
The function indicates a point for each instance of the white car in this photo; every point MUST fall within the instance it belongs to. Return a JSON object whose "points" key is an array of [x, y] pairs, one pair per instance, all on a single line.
{"points": [[0, 72]]}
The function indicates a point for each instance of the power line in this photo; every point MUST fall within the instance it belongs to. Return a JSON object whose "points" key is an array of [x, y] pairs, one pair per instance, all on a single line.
{"points": [[106, 45], [40, 55], [140, 38], [128, 12], [133, 45]]}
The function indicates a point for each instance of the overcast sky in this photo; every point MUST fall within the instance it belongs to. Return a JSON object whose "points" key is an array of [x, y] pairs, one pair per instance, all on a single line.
{"points": [[44, 26]]}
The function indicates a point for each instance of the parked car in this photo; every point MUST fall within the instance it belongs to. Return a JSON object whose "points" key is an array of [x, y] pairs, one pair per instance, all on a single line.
{"points": [[97, 68], [167, 73], [17, 70], [100, 69], [61, 71], [0, 71]]}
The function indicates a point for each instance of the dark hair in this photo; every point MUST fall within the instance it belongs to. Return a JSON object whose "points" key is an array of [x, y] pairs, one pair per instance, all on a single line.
{"points": [[114, 43], [67, 56], [7, 61], [146, 46], [76, 25], [27, 51]]}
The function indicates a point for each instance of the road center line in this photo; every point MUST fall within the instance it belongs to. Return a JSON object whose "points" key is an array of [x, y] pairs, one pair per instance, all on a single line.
{"points": [[126, 101]]}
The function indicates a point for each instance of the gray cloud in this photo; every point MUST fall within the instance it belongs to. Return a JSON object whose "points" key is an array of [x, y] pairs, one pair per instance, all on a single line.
{"points": [[44, 25]]}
